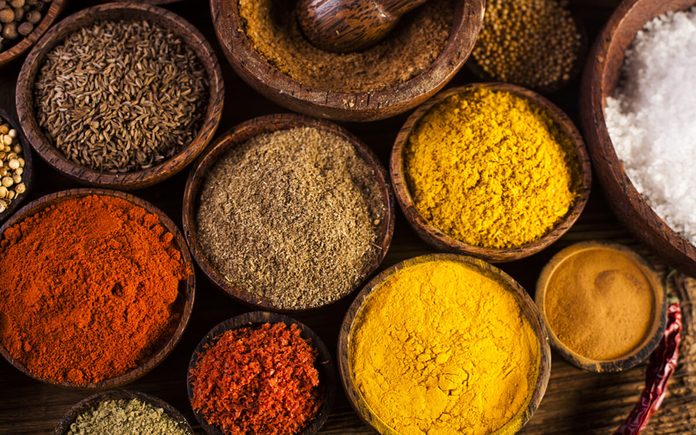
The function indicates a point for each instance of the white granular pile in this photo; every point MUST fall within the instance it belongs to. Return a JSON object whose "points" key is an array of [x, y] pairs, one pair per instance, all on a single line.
{"points": [[652, 118]]}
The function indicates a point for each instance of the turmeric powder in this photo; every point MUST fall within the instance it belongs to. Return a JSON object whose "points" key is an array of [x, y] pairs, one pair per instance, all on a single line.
{"points": [[491, 169], [441, 348]]}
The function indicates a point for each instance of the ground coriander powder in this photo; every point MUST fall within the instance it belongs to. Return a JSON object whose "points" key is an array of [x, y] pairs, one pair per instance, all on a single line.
{"points": [[125, 417]]}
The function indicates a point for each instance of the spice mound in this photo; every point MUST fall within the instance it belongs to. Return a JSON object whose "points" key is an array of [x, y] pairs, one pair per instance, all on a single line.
{"points": [[600, 300], [18, 18], [120, 96], [96, 293], [408, 50], [11, 166], [257, 380], [131, 416], [439, 347], [292, 217], [491, 169]]}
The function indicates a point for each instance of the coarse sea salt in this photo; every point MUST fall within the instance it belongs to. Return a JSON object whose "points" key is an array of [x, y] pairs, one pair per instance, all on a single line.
{"points": [[652, 118]]}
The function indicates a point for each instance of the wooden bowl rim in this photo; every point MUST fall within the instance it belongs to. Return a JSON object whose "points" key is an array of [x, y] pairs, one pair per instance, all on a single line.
{"points": [[349, 106], [639, 353], [324, 363], [242, 133], [437, 238], [95, 400], [189, 34], [28, 165], [187, 287]]}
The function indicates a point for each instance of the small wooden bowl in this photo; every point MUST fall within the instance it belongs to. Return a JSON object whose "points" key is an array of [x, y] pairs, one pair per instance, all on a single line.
{"points": [[92, 402], [266, 79], [28, 166], [49, 17], [437, 238], [600, 79], [324, 364], [114, 11], [237, 136], [640, 353], [528, 308], [184, 302]]}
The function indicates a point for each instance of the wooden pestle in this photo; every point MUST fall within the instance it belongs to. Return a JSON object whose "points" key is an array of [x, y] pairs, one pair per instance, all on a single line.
{"points": [[350, 25]]}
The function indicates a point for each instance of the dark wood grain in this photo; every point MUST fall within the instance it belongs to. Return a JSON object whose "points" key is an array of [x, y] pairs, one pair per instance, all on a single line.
{"points": [[28, 165]]}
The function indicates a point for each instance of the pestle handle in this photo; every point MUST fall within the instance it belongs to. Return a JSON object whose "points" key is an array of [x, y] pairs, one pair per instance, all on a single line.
{"points": [[396, 8]]}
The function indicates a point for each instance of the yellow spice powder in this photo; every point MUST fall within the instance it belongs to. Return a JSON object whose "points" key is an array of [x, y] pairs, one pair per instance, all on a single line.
{"points": [[491, 169], [440, 348]]}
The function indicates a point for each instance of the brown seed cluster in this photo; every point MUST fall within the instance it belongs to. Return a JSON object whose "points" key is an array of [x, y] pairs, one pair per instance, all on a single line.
{"points": [[120, 96], [11, 166], [18, 18], [532, 43]]}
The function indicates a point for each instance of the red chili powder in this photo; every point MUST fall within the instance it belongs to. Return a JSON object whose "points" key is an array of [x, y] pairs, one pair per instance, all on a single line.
{"points": [[257, 380]]}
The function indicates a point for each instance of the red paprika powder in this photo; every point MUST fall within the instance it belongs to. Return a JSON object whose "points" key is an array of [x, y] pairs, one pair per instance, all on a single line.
{"points": [[91, 291]]}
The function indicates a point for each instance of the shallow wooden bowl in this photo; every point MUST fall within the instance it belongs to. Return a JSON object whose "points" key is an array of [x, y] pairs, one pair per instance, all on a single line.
{"points": [[348, 106], [28, 166], [92, 402], [437, 238], [527, 306], [599, 81], [184, 302], [119, 10], [324, 363], [638, 355], [239, 135]]}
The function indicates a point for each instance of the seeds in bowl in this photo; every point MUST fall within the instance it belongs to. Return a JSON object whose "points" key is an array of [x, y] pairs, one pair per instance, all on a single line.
{"points": [[18, 18], [121, 96], [132, 416], [11, 166]]}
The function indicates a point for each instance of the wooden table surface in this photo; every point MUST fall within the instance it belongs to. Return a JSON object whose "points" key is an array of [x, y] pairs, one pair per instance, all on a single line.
{"points": [[575, 402]]}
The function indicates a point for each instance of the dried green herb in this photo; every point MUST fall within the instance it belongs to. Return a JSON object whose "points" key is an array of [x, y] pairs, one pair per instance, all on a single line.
{"points": [[125, 417]]}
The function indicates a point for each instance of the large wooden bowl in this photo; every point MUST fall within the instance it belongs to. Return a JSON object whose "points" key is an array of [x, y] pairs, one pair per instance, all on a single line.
{"points": [[28, 166], [128, 11], [437, 238], [324, 364], [527, 307], [183, 303], [599, 82], [237, 136], [348, 106]]}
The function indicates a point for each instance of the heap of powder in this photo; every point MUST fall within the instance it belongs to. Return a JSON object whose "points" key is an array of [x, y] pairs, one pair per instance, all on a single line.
{"points": [[651, 116], [292, 216], [410, 49], [125, 417], [428, 360]]}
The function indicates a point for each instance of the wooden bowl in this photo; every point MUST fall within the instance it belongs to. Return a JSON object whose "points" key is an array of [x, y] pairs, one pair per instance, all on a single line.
{"points": [[110, 11], [241, 134], [184, 302], [437, 238], [49, 17], [92, 402], [527, 306], [324, 364], [266, 79], [599, 82], [28, 166]]}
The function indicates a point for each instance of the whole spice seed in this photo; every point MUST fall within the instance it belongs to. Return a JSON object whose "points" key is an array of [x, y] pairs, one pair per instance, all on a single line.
{"points": [[410, 49], [125, 417], [119, 96], [292, 216], [11, 166], [257, 380], [18, 19]]}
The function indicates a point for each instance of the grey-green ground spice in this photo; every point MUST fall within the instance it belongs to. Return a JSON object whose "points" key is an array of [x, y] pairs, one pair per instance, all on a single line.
{"points": [[125, 417], [292, 216]]}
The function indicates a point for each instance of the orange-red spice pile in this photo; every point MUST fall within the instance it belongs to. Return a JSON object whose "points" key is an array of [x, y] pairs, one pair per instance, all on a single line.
{"points": [[257, 380]]}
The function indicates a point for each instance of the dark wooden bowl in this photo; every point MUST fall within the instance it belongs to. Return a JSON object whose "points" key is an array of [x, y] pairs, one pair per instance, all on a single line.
{"points": [[600, 78], [92, 402], [348, 106], [237, 136], [437, 238], [28, 166], [184, 303], [49, 17], [527, 306], [324, 364], [642, 352], [119, 10]]}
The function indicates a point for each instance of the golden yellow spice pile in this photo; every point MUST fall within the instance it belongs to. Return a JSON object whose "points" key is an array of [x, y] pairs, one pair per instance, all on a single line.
{"points": [[491, 169]]}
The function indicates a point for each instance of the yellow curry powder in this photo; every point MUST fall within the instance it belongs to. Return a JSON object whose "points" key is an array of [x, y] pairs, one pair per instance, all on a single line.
{"points": [[440, 348], [491, 169]]}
